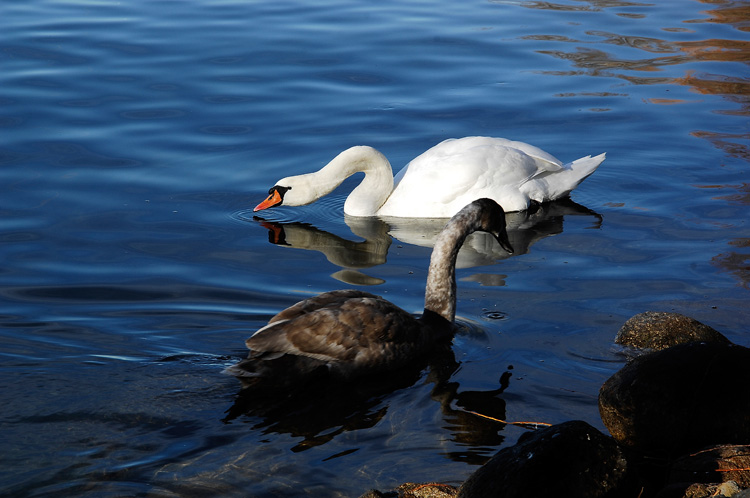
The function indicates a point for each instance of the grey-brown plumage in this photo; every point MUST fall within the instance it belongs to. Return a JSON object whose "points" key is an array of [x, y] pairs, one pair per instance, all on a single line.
{"points": [[349, 333]]}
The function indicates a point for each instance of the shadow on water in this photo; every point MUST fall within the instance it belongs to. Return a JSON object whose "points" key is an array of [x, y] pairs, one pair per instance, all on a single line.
{"points": [[524, 229], [318, 412], [321, 411], [465, 415]]}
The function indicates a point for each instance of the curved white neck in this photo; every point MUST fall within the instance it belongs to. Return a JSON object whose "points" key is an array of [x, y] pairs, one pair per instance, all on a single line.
{"points": [[365, 199], [374, 190]]}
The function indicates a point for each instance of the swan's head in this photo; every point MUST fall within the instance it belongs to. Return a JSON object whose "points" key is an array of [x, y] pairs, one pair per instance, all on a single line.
{"points": [[275, 198], [490, 217], [291, 191], [364, 200]]}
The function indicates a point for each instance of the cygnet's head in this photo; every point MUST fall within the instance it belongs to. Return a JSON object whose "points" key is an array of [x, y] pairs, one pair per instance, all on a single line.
{"points": [[492, 220]]}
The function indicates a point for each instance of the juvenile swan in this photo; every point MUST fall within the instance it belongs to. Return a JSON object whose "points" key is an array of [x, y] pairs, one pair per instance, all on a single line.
{"points": [[348, 333], [442, 180]]}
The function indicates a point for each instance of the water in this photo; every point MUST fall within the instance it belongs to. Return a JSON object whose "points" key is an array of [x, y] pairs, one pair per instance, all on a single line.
{"points": [[137, 136]]}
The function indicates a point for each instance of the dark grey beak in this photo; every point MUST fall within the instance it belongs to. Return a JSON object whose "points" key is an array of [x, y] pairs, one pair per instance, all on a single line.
{"points": [[502, 239]]}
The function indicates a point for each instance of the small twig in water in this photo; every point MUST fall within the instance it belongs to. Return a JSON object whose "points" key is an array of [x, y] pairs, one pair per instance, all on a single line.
{"points": [[525, 425]]}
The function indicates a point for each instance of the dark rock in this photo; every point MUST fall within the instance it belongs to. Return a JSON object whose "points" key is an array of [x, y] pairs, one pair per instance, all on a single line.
{"points": [[374, 493], [681, 399], [572, 459], [714, 465], [659, 330]]}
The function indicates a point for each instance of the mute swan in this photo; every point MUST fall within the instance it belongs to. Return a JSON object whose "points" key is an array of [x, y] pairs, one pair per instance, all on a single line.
{"points": [[349, 333], [442, 180]]}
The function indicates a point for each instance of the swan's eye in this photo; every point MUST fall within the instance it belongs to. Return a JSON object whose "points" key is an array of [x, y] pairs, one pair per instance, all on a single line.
{"points": [[278, 188]]}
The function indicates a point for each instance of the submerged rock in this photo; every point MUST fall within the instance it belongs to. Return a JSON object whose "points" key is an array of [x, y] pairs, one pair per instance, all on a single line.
{"points": [[572, 459], [415, 490], [660, 330], [681, 399], [427, 490], [700, 490]]}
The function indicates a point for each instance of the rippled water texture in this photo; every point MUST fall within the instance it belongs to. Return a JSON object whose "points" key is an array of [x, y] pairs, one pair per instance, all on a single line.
{"points": [[135, 138]]}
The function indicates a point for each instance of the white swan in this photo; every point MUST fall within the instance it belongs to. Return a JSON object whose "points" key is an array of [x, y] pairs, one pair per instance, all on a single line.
{"points": [[348, 333], [439, 182]]}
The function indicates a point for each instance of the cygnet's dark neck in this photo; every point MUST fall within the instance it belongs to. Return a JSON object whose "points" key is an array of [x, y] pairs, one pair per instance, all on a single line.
{"points": [[440, 291]]}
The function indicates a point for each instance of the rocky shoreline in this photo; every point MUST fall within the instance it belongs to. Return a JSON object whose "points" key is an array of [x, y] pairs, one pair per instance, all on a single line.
{"points": [[678, 414]]}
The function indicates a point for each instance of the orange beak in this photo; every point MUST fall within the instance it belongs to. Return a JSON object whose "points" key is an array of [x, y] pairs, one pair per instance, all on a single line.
{"points": [[274, 199]]}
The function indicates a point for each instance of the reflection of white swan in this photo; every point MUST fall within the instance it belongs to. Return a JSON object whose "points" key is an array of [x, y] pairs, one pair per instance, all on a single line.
{"points": [[349, 255], [440, 181], [524, 229], [341, 252], [350, 333], [479, 249]]}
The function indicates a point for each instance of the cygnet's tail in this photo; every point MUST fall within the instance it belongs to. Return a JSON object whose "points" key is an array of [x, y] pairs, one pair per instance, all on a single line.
{"points": [[277, 372], [562, 182]]}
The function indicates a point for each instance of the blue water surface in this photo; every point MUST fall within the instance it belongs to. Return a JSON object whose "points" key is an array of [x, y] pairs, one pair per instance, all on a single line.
{"points": [[135, 138]]}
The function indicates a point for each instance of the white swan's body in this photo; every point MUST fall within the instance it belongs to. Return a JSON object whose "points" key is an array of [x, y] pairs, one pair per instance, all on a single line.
{"points": [[441, 181], [349, 333]]}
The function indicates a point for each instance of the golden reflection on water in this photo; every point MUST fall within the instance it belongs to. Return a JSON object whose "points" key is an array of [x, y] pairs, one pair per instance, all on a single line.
{"points": [[723, 82], [726, 80], [736, 13], [736, 263]]}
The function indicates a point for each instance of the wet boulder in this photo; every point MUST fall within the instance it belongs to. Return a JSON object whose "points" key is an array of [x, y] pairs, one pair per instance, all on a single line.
{"points": [[660, 330], [681, 399], [572, 459]]}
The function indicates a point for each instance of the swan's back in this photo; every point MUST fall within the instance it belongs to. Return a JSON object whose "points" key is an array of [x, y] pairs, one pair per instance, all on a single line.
{"points": [[444, 179], [458, 146]]}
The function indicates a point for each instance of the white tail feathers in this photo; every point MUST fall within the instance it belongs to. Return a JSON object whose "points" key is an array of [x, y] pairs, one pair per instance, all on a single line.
{"points": [[571, 176]]}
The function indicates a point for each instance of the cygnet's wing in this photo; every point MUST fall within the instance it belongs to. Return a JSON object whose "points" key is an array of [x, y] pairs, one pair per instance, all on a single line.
{"points": [[347, 330]]}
